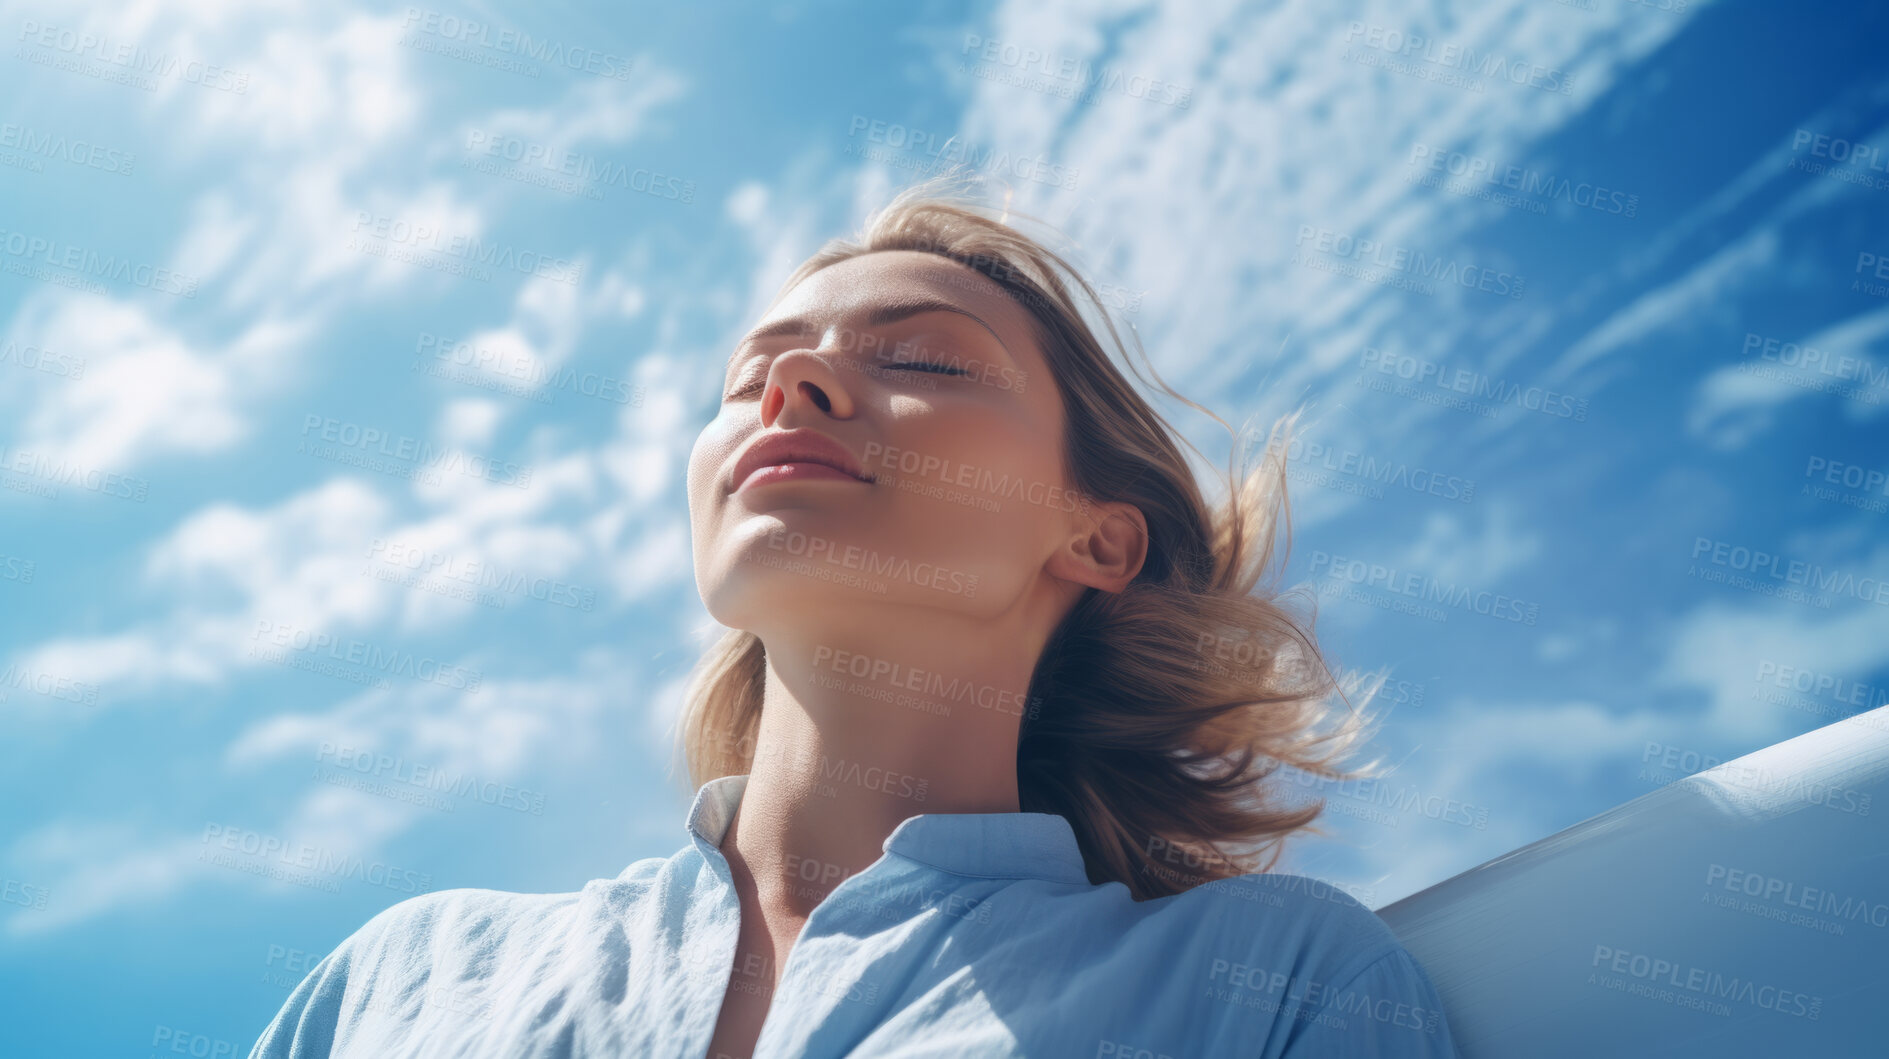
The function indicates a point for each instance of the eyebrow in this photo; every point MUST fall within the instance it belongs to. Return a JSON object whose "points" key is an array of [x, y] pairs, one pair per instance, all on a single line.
{"points": [[885, 313]]}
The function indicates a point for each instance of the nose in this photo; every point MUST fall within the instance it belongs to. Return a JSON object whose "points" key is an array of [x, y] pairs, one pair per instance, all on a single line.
{"points": [[800, 379]]}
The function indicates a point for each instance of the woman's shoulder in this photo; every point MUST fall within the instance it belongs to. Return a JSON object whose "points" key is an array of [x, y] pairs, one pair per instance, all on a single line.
{"points": [[1309, 946], [1319, 921], [463, 947], [453, 918], [468, 919], [1320, 899]]}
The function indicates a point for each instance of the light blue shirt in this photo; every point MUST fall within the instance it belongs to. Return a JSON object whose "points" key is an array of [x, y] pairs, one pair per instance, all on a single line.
{"points": [[976, 934]]}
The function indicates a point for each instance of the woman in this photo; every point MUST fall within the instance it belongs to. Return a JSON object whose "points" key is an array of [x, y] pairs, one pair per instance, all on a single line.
{"points": [[980, 761]]}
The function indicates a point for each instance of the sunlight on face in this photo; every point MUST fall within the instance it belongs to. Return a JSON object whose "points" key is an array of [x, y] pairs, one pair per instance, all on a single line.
{"points": [[952, 412]]}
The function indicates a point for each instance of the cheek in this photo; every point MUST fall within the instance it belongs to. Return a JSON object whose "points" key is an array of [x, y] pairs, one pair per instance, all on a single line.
{"points": [[707, 458], [979, 493], [697, 466], [999, 445]]}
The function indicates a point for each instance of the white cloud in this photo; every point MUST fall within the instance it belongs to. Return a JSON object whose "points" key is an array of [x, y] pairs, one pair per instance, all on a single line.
{"points": [[1577, 639], [502, 734], [747, 204], [232, 568], [595, 111], [145, 391], [131, 869], [1469, 753], [1735, 402], [1723, 651], [1452, 549], [1681, 306], [470, 422]]}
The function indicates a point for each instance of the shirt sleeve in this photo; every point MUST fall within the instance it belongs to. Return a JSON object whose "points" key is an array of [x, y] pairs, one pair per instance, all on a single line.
{"points": [[1388, 1009], [305, 1027]]}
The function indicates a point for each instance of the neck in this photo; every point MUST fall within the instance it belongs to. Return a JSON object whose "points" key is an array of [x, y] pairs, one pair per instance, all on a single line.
{"points": [[857, 736]]}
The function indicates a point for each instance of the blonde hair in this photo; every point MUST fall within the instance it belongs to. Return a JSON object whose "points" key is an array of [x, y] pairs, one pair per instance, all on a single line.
{"points": [[1157, 712]]}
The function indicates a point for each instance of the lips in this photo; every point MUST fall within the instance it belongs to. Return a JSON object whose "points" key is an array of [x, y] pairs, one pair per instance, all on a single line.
{"points": [[794, 446]]}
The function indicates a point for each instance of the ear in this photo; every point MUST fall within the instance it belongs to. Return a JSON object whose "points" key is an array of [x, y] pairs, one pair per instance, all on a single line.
{"points": [[1107, 549]]}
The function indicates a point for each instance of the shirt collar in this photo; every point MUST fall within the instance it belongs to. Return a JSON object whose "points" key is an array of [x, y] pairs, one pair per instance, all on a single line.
{"points": [[984, 845]]}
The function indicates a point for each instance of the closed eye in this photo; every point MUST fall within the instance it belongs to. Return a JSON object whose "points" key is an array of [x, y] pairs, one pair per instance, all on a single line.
{"points": [[913, 365], [936, 369]]}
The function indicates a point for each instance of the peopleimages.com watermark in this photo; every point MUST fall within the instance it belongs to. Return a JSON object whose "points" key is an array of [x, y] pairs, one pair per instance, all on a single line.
{"points": [[894, 899], [1402, 267], [1068, 77], [1824, 695], [1672, 7], [505, 49], [1848, 484], [284, 967], [828, 560], [830, 770], [403, 780], [1412, 592], [241, 849], [353, 660], [400, 455], [473, 580], [1771, 574], [1790, 902], [1362, 474], [1224, 877], [463, 1000], [28, 471], [1514, 186], [34, 147], [103, 58], [38, 474], [1328, 1004], [64, 364], [431, 247], [1464, 389], [67, 265], [1378, 801], [1258, 654], [909, 148], [15, 568], [1876, 266], [567, 171], [1671, 764], [728, 747], [886, 354], [1113, 1049], [964, 484], [932, 691], [1819, 154], [24, 894], [1458, 65], [17, 678], [1681, 984], [514, 372], [186, 1042], [1811, 368]]}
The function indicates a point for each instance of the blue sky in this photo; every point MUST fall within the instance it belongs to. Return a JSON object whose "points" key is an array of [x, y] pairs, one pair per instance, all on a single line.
{"points": [[313, 315]]}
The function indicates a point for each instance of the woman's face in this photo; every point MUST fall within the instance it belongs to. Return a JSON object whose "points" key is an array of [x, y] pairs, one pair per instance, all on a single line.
{"points": [[925, 373]]}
